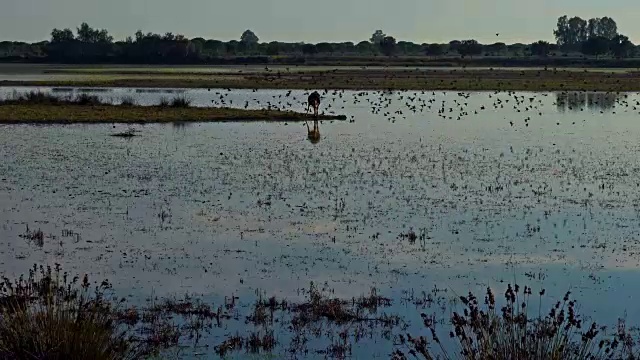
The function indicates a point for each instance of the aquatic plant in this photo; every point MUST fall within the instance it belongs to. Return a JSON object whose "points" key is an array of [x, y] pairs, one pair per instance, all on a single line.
{"points": [[48, 315], [486, 332]]}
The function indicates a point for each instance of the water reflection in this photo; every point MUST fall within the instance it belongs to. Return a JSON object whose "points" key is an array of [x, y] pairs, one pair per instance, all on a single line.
{"points": [[579, 100], [313, 135]]}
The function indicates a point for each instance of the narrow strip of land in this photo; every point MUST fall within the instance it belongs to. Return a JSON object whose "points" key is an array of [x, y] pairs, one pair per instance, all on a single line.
{"points": [[72, 113], [369, 79]]}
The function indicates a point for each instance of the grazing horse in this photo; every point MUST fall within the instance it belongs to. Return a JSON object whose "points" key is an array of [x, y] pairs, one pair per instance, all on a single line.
{"points": [[313, 101]]}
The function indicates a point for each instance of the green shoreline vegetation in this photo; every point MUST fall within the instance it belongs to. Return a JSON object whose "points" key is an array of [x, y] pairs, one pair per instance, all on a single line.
{"points": [[37, 107]]}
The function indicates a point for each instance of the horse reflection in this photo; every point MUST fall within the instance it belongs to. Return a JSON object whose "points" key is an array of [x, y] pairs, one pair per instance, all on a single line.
{"points": [[313, 134]]}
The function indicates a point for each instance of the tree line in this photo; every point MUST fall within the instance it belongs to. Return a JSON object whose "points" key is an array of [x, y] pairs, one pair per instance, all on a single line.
{"points": [[574, 36]]}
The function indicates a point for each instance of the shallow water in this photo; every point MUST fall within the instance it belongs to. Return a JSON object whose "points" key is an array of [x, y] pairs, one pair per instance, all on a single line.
{"points": [[221, 209]]}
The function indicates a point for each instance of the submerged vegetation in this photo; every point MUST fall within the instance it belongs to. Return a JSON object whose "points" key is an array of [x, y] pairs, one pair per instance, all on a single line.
{"points": [[39, 107]]}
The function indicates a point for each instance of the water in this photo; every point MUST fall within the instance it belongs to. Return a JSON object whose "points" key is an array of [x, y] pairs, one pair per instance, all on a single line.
{"points": [[221, 209]]}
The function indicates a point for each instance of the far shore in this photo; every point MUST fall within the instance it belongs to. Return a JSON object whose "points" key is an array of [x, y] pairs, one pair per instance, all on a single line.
{"points": [[340, 78]]}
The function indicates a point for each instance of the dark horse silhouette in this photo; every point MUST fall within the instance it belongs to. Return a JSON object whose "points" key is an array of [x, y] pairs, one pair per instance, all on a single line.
{"points": [[313, 101]]}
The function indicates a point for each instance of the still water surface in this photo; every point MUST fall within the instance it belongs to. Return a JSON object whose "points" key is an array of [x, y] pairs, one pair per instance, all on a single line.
{"points": [[538, 188]]}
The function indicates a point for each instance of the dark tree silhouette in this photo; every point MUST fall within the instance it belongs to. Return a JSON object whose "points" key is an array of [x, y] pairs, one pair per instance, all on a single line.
{"points": [[434, 49], [469, 48], [377, 37], [540, 48], [597, 45], [388, 45], [249, 38]]}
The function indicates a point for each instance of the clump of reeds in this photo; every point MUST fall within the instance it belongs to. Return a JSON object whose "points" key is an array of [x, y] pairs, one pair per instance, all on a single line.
{"points": [[485, 332], [49, 316], [164, 102], [127, 101], [46, 98], [87, 99], [180, 102]]}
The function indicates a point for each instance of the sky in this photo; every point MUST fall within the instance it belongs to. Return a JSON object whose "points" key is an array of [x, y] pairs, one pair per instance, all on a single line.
{"points": [[315, 21]]}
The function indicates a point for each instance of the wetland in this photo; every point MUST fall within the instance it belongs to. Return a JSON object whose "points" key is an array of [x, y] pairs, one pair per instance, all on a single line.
{"points": [[420, 197]]}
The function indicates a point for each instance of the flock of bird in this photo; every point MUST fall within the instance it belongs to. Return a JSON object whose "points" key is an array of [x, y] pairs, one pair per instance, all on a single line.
{"points": [[397, 105]]}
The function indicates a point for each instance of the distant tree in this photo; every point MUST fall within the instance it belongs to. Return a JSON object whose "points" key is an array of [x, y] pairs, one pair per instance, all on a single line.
{"points": [[87, 34], [607, 28], [454, 45], [561, 32], [621, 47], [365, 48], [434, 50], [540, 48], [388, 45], [469, 48], [593, 26], [496, 49], [517, 49], [58, 36], [346, 47], [231, 47], [325, 47], [596, 45], [570, 33], [273, 48], [214, 48], [249, 38], [408, 48], [378, 37], [309, 49]]}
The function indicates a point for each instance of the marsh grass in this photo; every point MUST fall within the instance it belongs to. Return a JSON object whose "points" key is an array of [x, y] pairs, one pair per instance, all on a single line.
{"points": [[486, 332], [127, 101], [164, 102], [180, 102], [45, 98], [48, 315]]}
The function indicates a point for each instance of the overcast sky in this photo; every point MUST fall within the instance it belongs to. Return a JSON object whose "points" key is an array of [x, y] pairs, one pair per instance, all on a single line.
{"points": [[315, 21]]}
